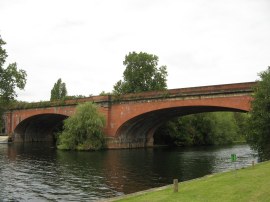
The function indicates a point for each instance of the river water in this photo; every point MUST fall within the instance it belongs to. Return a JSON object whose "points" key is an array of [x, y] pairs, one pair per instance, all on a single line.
{"points": [[39, 172]]}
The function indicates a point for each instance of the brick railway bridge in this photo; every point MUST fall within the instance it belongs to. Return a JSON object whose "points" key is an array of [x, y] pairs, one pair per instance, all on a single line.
{"points": [[132, 119]]}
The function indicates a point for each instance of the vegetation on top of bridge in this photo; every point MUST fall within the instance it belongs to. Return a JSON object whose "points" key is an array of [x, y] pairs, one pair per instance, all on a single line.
{"points": [[56, 103]]}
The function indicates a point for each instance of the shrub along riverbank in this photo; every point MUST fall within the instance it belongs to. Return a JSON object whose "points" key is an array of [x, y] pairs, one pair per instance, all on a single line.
{"points": [[248, 184]]}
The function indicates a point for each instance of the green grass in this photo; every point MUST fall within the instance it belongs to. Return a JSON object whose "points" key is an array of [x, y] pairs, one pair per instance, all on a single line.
{"points": [[249, 184]]}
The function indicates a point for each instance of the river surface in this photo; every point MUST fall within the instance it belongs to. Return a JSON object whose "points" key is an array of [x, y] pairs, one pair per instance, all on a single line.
{"points": [[39, 172]]}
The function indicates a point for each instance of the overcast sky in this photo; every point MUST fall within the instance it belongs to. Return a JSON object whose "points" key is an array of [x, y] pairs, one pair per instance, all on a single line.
{"points": [[84, 42]]}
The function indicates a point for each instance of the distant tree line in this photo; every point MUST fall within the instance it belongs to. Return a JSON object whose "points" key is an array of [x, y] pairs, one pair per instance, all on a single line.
{"points": [[215, 128]]}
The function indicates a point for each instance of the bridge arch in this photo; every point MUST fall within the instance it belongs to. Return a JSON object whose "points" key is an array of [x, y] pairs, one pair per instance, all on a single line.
{"points": [[39, 128], [139, 131]]}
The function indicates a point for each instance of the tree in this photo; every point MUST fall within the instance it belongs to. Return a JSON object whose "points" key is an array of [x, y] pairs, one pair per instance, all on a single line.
{"points": [[83, 130], [241, 120], [259, 121], [11, 79], [224, 128], [58, 91], [103, 93], [141, 74]]}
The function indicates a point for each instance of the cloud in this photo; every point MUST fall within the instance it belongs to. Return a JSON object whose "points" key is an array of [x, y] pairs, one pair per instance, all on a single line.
{"points": [[84, 42], [67, 24]]}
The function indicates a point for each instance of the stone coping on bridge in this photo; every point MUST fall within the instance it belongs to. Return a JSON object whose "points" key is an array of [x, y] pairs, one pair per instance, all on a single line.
{"points": [[190, 91]]}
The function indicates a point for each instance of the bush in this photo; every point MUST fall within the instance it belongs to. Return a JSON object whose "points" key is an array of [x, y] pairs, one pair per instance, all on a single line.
{"points": [[83, 130]]}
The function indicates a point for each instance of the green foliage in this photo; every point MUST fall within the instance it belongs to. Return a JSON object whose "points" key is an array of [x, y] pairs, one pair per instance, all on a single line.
{"points": [[141, 74], [214, 128], [59, 91], [241, 120], [259, 122], [83, 130], [69, 100], [103, 93], [11, 78], [224, 128]]}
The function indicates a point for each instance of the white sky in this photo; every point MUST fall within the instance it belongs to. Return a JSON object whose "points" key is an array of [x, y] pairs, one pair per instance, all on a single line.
{"points": [[84, 42]]}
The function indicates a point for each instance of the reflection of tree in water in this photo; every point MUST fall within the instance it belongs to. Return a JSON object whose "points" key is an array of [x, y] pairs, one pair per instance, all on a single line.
{"points": [[84, 171], [127, 170], [31, 151], [132, 170], [111, 172], [181, 164]]}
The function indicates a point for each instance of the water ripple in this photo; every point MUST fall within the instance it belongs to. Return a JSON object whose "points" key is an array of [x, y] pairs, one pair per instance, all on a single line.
{"points": [[37, 172]]}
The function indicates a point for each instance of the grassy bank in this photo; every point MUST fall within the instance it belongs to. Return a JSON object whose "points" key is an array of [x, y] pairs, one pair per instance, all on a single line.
{"points": [[249, 184]]}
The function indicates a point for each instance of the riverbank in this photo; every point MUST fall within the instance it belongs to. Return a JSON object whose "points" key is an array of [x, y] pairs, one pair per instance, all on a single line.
{"points": [[247, 184]]}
